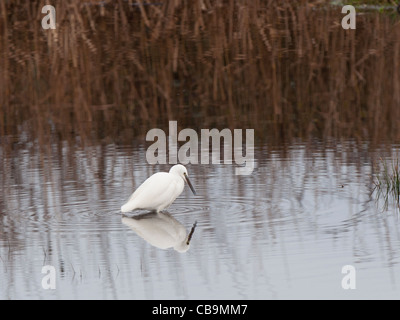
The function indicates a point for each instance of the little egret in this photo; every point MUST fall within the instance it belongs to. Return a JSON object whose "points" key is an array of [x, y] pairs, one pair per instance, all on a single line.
{"points": [[159, 191]]}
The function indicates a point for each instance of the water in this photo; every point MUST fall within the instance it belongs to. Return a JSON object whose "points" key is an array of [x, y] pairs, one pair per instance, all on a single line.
{"points": [[285, 231]]}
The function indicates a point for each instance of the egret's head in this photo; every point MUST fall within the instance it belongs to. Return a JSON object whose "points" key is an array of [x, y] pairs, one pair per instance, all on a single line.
{"points": [[181, 171]]}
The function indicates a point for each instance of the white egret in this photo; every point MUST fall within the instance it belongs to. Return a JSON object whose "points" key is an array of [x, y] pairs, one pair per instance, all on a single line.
{"points": [[161, 230], [159, 191]]}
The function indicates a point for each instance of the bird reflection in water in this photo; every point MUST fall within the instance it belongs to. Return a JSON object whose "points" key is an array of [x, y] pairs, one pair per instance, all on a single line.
{"points": [[161, 230]]}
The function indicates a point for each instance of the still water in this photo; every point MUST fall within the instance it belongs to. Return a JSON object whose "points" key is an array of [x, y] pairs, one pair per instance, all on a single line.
{"points": [[284, 231]]}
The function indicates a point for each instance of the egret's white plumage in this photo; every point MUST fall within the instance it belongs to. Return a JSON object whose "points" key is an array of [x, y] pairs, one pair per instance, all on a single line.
{"points": [[159, 191]]}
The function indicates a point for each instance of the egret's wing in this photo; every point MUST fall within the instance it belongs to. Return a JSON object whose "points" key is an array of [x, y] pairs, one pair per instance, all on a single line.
{"points": [[155, 184], [156, 189]]}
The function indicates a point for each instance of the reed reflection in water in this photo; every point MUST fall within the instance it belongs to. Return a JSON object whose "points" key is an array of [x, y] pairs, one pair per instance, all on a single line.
{"points": [[284, 232]]}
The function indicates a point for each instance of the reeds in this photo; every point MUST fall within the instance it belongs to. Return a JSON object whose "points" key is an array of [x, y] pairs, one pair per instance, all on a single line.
{"points": [[387, 183], [112, 70]]}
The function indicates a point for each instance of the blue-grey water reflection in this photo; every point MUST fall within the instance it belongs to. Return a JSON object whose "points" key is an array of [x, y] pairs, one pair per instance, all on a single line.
{"points": [[285, 231], [161, 230]]}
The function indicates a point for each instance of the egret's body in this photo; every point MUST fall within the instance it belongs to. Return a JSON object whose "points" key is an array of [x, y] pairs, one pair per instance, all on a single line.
{"points": [[159, 191]]}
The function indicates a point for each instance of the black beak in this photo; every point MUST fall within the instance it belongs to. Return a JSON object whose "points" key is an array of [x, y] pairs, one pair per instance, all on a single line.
{"points": [[189, 183]]}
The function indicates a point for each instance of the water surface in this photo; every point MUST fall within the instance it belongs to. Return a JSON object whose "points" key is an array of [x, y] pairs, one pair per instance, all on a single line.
{"points": [[285, 231]]}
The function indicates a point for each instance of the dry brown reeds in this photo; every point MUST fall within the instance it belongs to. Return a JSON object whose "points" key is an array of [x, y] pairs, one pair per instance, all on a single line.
{"points": [[112, 68]]}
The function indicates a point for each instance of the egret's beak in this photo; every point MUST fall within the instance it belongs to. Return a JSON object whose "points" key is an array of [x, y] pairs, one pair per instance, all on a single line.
{"points": [[189, 183]]}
